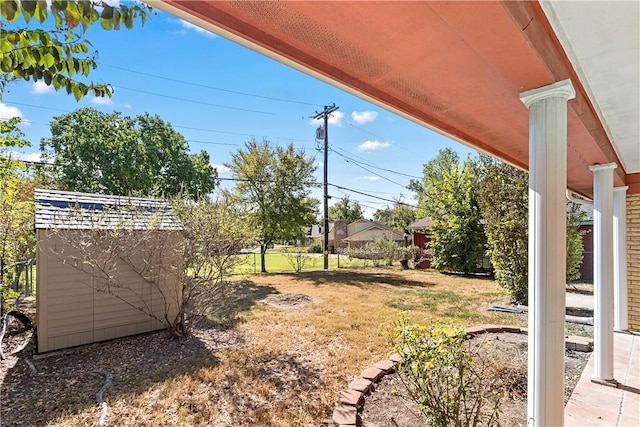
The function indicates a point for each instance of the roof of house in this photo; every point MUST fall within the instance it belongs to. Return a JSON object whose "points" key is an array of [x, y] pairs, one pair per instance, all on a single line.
{"points": [[420, 224], [83, 211]]}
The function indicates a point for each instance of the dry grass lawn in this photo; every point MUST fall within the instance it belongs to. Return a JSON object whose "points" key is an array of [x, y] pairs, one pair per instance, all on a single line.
{"points": [[268, 365]]}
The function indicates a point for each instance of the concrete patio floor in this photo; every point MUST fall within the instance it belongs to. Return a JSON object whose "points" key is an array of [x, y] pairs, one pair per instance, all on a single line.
{"points": [[593, 404]]}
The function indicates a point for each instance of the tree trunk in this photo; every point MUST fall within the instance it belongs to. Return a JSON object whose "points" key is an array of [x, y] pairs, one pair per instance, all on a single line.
{"points": [[263, 252]]}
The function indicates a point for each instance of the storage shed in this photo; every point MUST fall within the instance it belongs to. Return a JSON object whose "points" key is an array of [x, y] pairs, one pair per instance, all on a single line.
{"points": [[74, 306]]}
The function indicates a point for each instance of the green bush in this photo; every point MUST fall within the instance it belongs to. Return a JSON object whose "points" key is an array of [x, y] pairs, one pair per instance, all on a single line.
{"points": [[442, 375], [314, 248]]}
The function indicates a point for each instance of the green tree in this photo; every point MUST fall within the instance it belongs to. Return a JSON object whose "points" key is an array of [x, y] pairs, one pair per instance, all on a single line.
{"points": [[16, 206], [274, 184], [575, 246], [60, 55], [399, 216], [97, 152], [447, 195], [503, 198], [345, 208]]}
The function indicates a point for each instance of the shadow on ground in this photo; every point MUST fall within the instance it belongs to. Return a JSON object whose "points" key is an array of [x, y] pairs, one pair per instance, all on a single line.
{"points": [[67, 381], [360, 278]]}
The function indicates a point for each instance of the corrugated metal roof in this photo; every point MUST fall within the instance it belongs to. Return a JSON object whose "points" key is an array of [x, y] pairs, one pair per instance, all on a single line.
{"points": [[82, 211]]}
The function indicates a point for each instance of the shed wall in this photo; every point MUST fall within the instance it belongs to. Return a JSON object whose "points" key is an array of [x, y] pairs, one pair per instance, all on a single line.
{"points": [[70, 312]]}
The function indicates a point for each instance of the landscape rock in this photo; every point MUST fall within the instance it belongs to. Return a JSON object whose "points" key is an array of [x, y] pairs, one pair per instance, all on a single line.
{"points": [[372, 374], [345, 415], [361, 385], [386, 366], [351, 397]]}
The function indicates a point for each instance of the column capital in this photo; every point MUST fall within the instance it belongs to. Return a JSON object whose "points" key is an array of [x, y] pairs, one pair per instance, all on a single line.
{"points": [[603, 167], [562, 89], [622, 189]]}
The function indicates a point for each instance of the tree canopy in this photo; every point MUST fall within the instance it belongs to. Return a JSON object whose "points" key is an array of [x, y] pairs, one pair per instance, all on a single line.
{"points": [[446, 194], [97, 152], [503, 198], [274, 184], [60, 55], [345, 208], [17, 239], [398, 216], [503, 194]]}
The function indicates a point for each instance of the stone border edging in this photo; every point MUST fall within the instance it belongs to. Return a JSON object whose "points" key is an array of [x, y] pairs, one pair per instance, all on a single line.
{"points": [[351, 401]]}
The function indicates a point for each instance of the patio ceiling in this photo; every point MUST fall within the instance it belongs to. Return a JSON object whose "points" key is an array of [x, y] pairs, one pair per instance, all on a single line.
{"points": [[459, 67]]}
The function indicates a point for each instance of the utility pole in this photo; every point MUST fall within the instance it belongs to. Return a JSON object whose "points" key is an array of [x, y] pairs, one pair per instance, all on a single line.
{"points": [[324, 114]]}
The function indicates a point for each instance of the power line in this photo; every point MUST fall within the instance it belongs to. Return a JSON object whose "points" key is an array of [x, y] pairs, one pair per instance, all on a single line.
{"points": [[379, 137], [372, 196], [373, 165], [259, 181], [209, 87], [194, 101], [377, 174], [172, 125]]}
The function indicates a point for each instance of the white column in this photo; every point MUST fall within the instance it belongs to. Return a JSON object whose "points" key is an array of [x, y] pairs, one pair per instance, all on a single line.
{"points": [[603, 272], [621, 320], [547, 250]]}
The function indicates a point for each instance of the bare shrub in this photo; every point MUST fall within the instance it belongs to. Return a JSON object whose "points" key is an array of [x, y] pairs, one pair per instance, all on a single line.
{"points": [[180, 258], [442, 375]]}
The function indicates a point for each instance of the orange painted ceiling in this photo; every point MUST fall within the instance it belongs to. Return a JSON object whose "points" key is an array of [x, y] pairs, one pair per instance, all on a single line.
{"points": [[456, 67]]}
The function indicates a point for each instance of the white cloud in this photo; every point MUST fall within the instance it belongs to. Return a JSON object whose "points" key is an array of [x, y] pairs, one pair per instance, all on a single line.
{"points": [[362, 117], [101, 100], [29, 157], [334, 119], [190, 26], [371, 178], [41, 87], [222, 169], [369, 146], [7, 112], [126, 105]]}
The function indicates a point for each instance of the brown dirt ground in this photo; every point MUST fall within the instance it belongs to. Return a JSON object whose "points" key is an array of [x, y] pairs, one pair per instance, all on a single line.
{"points": [[299, 372], [388, 407]]}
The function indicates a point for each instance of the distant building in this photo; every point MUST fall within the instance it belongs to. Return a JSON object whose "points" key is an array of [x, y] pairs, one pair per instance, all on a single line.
{"points": [[344, 235]]}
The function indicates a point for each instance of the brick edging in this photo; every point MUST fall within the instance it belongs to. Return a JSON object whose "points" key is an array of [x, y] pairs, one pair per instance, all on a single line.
{"points": [[351, 401]]}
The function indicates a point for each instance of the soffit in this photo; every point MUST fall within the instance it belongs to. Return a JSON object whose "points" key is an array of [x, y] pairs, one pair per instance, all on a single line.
{"points": [[602, 40], [455, 67]]}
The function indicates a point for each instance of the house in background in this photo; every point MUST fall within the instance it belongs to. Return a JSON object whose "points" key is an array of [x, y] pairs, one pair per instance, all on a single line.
{"points": [[586, 267], [70, 311], [547, 86], [343, 235], [420, 237]]}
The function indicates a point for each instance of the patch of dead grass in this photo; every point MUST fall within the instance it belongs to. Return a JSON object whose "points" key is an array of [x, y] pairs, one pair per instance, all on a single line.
{"points": [[285, 367]]}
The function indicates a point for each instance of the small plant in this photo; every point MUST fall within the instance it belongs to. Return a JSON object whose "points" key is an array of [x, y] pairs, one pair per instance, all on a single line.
{"points": [[298, 261], [441, 373], [315, 247]]}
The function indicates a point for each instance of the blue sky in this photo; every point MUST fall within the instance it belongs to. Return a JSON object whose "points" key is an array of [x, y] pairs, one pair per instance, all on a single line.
{"points": [[219, 95]]}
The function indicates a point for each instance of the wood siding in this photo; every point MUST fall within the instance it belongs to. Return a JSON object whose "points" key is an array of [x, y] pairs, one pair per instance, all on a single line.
{"points": [[70, 312]]}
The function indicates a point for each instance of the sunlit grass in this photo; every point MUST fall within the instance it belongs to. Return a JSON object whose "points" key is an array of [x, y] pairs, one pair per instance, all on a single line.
{"points": [[293, 362], [281, 262]]}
